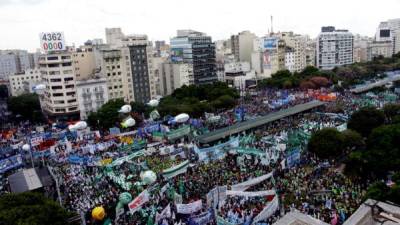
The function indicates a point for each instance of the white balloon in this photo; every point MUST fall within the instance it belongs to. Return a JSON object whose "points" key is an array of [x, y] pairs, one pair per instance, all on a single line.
{"points": [[78, 126], [153, 103], [125, 109], [148, 177], [181, 118], [26, 147], [39, 87], [130, 122]]}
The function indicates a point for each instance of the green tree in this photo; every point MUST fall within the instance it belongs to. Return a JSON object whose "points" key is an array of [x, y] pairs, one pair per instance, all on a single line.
{"points": [[26, 105], [352, 140], [378, 191], [356, 165], [31, 209], [365, 120], [326, 143], [383, 150], [391, 111], [107, 116], [3, 91]]}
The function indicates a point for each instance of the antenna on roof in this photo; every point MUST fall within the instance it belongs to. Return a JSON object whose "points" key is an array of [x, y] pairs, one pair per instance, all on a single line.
{"points": [[272, 26]]}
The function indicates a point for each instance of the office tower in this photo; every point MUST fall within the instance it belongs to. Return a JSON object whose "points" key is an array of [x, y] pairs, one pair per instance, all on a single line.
{"points": [[195, 48], [388, 31], [334, 48], [242, 46]]}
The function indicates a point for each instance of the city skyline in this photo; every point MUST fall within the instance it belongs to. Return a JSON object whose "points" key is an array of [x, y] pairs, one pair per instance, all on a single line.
{"points": [[83, 20]]}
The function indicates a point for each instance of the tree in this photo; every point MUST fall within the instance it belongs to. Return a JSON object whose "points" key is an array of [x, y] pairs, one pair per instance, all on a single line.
{"points": [[352, 140], [326, 143], [26, 105], [356, 165], [391, 111], [365, 120], [31, 208], [3, 91], [378, 191], [383, 150], [107, 116]]}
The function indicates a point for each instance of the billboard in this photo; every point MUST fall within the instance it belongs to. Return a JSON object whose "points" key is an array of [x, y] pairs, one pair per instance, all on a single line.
{"points": [[267, 59], [270, 43], [52, 41], [177, 54]]}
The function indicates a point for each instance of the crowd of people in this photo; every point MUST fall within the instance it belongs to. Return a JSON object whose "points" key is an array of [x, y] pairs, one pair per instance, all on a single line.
{"points": [[84, 164]]}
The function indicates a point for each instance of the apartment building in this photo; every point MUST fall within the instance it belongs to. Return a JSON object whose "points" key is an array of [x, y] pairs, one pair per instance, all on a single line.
{"points": [[21, 83], [334, 48], [92, 94]]}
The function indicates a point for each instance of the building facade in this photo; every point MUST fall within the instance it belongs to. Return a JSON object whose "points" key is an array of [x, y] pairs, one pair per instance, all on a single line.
{"points": [[197, 49], [175, 75], [92, 94], [59, 99], [21, 83], [334, 48], [242, 46]]}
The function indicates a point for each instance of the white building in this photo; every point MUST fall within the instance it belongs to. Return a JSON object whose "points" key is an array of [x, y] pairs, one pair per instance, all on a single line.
{"points": [[21, 83], [298, 43], [59, 98], [238, 73], [380, 48], [389, 31], [15, 61], [92, 94], [175, 75], [114, 37], [290, 63], [361, 48], [334, 48]]}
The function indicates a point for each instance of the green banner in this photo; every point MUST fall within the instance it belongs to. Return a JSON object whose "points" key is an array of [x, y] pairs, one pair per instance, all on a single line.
{"points": [[180, 132]]}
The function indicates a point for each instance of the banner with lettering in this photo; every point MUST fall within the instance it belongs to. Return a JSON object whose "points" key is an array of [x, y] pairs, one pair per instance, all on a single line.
{"points": [[202, 219], [166, 213], [10, 163], [189, 208]]}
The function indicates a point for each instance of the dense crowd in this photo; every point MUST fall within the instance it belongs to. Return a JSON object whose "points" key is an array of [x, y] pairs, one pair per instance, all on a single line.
{"points": [[317, 188]]}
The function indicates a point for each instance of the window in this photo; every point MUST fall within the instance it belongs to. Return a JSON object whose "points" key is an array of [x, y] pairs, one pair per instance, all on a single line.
{"points": [[66, 64], [56, 87], [68, 78], [58, 94], [59, 102], [52, 58], [65, 57], [71, 100], [69, 86], [72, 108], [71, 93], [55, 80]]}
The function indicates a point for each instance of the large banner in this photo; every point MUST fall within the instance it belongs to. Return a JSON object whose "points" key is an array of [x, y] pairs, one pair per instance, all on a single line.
{"points": [[268, 210], [137, 203], [176, 170], [244, 185], [251, 194], [189, 208], [217, 151], [10, 163]]}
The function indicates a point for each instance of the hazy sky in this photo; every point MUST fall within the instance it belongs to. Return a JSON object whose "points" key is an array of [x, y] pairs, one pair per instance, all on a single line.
{"points": [[21, 21]]}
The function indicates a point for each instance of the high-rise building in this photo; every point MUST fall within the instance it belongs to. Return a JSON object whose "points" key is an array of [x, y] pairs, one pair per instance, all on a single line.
{"points": [[119, 80], [311, 53], [59, 99], [334, 48], [15, 61], [361, 46], [380, 48], [84, 62], [242, 46], [195, 48]]}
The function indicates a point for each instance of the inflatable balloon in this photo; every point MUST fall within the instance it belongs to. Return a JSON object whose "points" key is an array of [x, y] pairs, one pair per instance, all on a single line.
{"points": [[39, 87], [129, 122], [181, 118], [26, 147], [125, 109], [153, 103], [98, 213], [78, 126], [148, 177], [125, 198]]}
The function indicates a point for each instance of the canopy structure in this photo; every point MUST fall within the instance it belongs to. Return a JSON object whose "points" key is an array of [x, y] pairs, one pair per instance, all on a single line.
{"points": [[253, 123], [29, 179]]}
